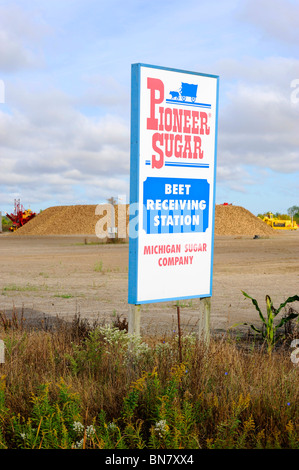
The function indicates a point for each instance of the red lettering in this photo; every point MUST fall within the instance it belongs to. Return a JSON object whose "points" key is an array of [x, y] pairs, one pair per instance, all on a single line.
{"points": [[187, 148], [169, 147], [157, 162], [198, 153], [195, 117], [161, 112], [178, 146], [187, 116], [177, 120], [154, 85], [204, 129], [168, 119]]}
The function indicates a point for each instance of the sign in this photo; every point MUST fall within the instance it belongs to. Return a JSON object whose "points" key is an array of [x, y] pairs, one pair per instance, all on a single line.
{"points": [[172, 184]]}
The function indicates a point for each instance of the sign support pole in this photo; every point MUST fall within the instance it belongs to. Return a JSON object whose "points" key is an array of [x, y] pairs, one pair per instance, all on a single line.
{"points": [[2, 351], [204, 319], [134, 320]]}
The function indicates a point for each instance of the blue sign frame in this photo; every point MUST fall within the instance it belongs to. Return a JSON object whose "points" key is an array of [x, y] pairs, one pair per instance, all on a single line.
{"points": [[134, 219]]}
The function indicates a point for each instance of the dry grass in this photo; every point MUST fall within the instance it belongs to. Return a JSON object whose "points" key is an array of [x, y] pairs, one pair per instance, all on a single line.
{"points": [[226, 396]]}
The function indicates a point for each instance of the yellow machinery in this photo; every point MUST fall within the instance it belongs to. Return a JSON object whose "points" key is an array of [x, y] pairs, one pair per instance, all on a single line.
{"points": [[280, 224]]}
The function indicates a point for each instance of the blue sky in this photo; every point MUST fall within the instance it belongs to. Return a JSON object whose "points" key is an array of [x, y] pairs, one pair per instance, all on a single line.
{"points": [[65, 71]]}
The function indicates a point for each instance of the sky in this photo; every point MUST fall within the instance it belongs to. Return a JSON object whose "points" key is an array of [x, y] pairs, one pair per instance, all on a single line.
{"points": [[65, 91]]}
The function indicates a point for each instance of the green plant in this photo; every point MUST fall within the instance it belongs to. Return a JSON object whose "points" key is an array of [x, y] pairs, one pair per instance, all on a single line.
{"points": [[231, 433], [6, 223], [88, 355], [98, 267], [64, 296], [86, 386], [51, 424], [4, 412], [109, 433], [269, 329], [27, 288]]}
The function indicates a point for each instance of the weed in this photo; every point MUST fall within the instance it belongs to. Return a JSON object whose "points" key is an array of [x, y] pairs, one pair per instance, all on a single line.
{"points": [[269, 331], [64, 296], [95, 386], [98, 267], [120, 324], [16, 288], [16, 321]]}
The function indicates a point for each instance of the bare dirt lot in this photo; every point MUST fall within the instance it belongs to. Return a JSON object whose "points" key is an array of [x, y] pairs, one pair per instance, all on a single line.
{"points": [[50, 276]]}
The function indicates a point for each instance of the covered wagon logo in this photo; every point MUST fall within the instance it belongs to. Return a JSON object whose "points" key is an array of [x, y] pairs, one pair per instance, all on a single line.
{"points": [[179, 125], [187, 90]]}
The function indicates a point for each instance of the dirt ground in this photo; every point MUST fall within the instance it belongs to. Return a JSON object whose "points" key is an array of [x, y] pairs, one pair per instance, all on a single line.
{"points": [[61, 276]]}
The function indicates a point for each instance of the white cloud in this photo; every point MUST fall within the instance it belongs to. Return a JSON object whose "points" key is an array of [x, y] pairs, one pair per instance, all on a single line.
{"points": [[49, 147], [273, 71], [232, 175], [258, 125], [20, 35], [13, 55], [276, 19], [104, 91]]}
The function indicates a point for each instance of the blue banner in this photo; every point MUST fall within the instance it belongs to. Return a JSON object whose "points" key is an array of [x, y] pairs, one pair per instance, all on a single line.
{"points": [[175, 205]]}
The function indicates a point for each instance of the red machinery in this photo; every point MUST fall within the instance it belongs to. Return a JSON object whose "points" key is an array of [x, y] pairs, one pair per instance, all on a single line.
{"points": [[20, 216]]}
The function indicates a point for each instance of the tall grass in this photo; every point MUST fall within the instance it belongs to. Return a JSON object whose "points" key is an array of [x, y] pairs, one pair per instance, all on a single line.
{"points": [[98, 387]]}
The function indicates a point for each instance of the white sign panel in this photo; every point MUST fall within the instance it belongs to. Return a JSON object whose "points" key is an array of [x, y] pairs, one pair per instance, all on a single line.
{"points": [[172, 184]]}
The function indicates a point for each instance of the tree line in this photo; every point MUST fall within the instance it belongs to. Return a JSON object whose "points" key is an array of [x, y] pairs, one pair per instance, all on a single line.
{"points": [[292, 214]]}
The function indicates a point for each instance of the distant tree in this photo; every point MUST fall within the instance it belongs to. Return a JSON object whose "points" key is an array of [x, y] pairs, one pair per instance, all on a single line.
{"points": [[6, 223], [293, 210], [277, 215], [265, 214]]}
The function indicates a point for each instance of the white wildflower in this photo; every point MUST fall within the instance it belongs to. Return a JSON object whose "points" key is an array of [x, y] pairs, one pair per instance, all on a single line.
{"points": [[112, 426], [79, 444], [161, 427], [90, 431], [78, 427]]}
